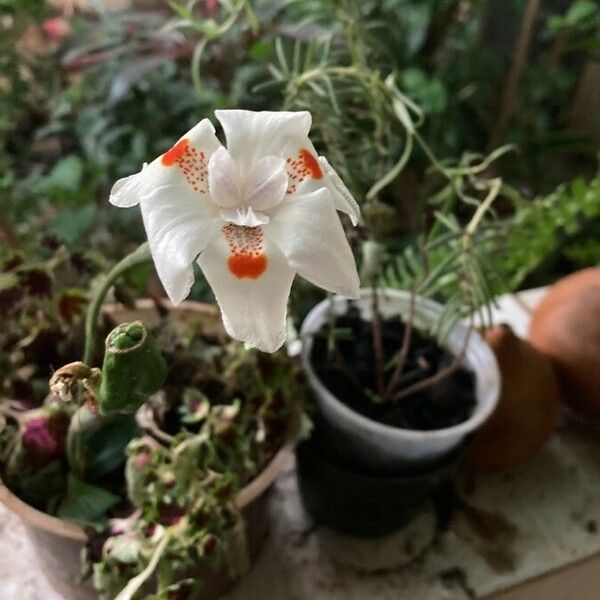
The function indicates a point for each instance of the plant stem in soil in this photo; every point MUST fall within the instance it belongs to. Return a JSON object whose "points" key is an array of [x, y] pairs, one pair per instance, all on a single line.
{"points": [[377, 343], [440, 375], [406, 340]]}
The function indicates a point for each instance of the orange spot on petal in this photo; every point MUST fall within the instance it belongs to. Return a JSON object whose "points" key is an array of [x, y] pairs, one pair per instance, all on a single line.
{"points": [[311, 164], [247, 265], [170, 157]]}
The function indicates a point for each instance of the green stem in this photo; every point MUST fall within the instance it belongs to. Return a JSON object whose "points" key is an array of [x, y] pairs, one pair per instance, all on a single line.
{"points": [[138, 581], [138, 257], [485, 205], [395, 170]]}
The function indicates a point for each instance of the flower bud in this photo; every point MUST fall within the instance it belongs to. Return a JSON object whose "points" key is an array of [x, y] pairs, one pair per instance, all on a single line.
{"points": [[133, 369], [43, 438], [35, 467]]}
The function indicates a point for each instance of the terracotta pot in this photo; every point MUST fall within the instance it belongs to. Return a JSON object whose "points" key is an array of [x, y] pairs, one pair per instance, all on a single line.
{"points": [[565, 326], [529, 407], [58, 543]]}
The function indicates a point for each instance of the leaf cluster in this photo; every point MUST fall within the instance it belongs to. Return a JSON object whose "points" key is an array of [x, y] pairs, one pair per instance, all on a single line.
{"points": [[42, 304], [202, 445]]}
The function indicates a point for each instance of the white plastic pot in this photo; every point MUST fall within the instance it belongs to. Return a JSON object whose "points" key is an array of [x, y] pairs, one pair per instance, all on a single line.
{"points": [[376, 446]]}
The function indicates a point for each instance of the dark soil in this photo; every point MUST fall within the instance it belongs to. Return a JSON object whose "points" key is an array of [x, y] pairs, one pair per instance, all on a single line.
{"points": [[349, 374]]}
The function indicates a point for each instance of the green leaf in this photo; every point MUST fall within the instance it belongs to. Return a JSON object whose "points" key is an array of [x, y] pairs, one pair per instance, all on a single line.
{"points": [[428, 93], [581, 11], [8, 281], [96, 444], [66, 175], [70, 225], [86, 504], [259, 50]]}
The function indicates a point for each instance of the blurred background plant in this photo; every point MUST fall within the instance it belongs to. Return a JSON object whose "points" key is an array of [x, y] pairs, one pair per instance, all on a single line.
{"points": [[467, 130], [43, 300], [92, 89]]}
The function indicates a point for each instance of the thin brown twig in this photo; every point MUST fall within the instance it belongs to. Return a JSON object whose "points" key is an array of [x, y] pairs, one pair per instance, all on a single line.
{"points": [[440, 375], [406, 340], [7, 234], [511, 91], [377, 342]]}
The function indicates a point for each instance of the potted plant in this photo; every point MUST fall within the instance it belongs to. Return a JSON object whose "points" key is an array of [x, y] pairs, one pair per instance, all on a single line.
{"points": [[399, 388], [205, 424], [219, 429], [400, 377]]}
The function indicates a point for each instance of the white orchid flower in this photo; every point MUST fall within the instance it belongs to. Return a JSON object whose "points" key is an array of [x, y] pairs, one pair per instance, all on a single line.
{"points": [[253, 214]]}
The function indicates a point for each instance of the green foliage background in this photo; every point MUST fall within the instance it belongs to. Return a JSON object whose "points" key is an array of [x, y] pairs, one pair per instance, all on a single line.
{"points": [[121, 86]]}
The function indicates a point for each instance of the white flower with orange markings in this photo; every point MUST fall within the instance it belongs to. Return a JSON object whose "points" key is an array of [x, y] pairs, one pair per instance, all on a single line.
{"points": [[252, 214]]}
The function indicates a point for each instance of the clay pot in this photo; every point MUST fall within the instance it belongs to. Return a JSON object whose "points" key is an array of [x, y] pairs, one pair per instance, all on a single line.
{"points": [[529, 406], [566, 327], [58, 543]]}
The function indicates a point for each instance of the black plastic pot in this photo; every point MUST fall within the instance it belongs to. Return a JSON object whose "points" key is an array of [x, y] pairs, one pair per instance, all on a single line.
{"points": [[362, 503]]}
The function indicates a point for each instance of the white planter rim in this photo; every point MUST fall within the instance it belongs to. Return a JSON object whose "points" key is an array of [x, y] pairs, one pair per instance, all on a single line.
{"points": [[481, 411]]}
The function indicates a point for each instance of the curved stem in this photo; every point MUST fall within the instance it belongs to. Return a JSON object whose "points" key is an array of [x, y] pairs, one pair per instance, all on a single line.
{"points": [[406, 339], [138, 257], [138, 581], [395, 170]]}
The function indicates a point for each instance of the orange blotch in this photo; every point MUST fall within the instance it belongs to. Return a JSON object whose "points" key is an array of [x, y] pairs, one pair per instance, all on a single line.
{"points": [[251, 266], [311, 164], [170, 157]]}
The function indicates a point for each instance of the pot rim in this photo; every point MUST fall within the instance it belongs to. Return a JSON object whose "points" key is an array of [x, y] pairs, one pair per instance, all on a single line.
{"points": [[481, 412], [250, 492], [68, 529]]}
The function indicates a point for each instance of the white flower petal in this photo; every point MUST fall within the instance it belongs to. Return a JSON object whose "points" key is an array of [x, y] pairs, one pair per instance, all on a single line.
{"points": [[308, 231], [266, 183], [183, 164], [253, 292], [244, 216], [202, 135], [224, 182], [251, 136], [126, 191], [254, 135], [179, 224], [342, 198]]}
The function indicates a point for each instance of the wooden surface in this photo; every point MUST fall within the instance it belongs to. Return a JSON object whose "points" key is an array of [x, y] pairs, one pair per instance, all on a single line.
{"points": [[530, 533]]}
